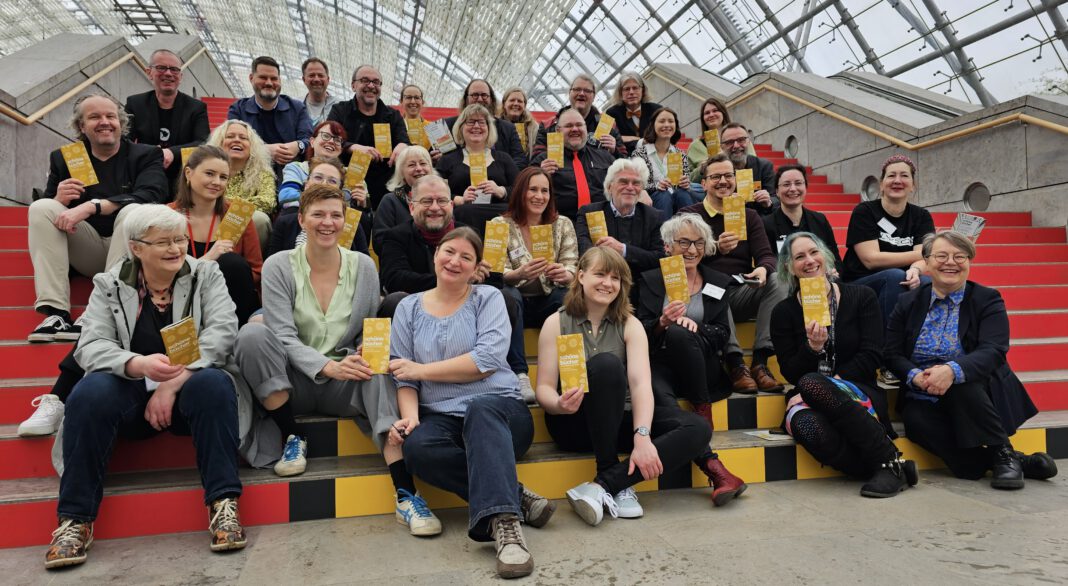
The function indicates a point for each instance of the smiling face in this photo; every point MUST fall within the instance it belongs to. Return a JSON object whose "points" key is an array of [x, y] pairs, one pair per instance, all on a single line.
{"points": [[324, 174], [692, 247], [625, 189], [432, 207], [537, 197], [208, 179], [412, 101], [712, 117], [322, 221], [573, 127], [414, 168], [599, 286], [99, 122], [664, 125], [806, 260], [367, 85], [949, 266], [236, 143], [792, 189], [167, 258], [165, 73], [719, 179], [514, 105], [475, 131], [266, 83], [735, 143], [479, 93], [898, 183], [315, 78], [632, 94], [325, 143], [455, 262], [581, 96]]}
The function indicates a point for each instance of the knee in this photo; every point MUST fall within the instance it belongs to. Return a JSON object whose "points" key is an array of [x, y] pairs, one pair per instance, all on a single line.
{"points": [[232, 264], [45, 208], [209, 390], [513, 296], [252, 339], [677, 337], [697, 430], [607, 372], [389, 303], [416, 451], [892, 277], [511, 305], [93, 397]]}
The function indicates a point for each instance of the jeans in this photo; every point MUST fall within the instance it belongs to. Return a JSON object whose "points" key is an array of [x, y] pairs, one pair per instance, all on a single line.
{"points": [[670, 201], [533, 311], [887, 286], [466, 456], [104, 406]]}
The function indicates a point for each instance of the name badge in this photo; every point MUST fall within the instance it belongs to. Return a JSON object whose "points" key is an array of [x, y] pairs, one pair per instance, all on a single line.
{"points": [[887, 226], [713, 291], [515, 254]]}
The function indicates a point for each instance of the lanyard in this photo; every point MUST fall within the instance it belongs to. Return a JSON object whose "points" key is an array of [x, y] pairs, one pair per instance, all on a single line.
{"points": [[192, 241], [830, 348]]}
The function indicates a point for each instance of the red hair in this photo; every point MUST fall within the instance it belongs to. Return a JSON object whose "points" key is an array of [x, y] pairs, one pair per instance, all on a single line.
{"points": [[335, 128]]}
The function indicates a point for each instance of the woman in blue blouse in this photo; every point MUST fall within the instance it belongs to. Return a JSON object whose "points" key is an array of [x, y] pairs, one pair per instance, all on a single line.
{"points": [[460, 403], [948, 341]]}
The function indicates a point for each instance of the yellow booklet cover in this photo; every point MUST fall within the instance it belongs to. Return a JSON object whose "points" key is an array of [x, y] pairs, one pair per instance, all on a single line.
{"points": [[416, 134], [78, 163], [555, 144], [757, 185], [383, 140], [237, 217], [541, 242], [604, 126], [597, 225], [348, 231], [814, 300], [712, 141], [495, 247], [571, 355], [477, 163], [185, 155], [673, 268], [674, 168], [734, 216], [376, 343], [521, 129], [180, 339], [357, 169], [744, 179]]}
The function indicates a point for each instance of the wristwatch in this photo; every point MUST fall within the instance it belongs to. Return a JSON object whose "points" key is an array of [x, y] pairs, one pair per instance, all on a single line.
{"points": [[96, 202], [642, 431]]}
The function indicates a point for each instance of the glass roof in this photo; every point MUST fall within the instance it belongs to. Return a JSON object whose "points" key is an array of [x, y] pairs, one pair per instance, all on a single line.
{"points": [[980, 51]]}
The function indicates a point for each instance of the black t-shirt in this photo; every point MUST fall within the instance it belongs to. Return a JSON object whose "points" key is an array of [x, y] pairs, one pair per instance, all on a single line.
{"points": [[270, 134], [165, 119], [146, 338], [864, 224]]}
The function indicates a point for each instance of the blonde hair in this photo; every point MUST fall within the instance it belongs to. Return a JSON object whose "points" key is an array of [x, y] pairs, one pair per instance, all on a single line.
{"points": [[468, 112], [259, 159]]}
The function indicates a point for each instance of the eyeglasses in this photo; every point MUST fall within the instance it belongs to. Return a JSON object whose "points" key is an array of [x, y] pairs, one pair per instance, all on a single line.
{"points": [[179, 241], [795, 184], [631, 182], [166, 69], [369, 81], [329, 137], [410, 97], [941, 257], [716, 177], [475, 122], [427, 202], [734, 141], [479, 96], [317, 178], [685, 243], [581, 90]]}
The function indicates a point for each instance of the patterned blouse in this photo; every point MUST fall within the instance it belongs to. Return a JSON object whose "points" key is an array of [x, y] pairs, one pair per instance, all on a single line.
{"points": [[264, 197], [939, 340], [565, 246]]}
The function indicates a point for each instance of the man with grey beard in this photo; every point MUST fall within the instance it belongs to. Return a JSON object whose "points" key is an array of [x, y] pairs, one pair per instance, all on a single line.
{"points": [[734, 140]]}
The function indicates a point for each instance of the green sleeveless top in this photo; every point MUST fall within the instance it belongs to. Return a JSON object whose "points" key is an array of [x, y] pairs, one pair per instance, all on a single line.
{"points": [[608, 339]]}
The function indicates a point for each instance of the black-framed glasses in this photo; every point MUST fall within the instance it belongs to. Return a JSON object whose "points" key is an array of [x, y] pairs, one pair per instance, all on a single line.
{"points": [[686, 243], [734, 141], [329, 137], [427, 202], [166, 69], [475, 122], [179, 241], [942, 257], [716, 177], [369, 81], [479, 96]]}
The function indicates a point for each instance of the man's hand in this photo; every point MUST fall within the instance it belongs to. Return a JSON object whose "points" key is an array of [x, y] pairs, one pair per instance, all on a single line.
{"points": [[549, 166], [608, 142], [609, 242], [69, 190], [760, 274], [726, 242], [375, 155], [282, 153], [68, 220], [168, 158]]}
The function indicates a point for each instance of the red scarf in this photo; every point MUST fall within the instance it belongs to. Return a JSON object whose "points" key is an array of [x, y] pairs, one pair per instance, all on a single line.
{"points": [[434, 238]]}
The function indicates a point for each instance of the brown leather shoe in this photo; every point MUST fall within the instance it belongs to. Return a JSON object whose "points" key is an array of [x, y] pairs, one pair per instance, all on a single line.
{"points": [[765, 381], [742, 381]]}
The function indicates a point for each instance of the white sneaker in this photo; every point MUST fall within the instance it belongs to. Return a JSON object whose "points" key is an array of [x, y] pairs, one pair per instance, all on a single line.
{"points": [[413, 512], [589, 500], [45, 420], [294, 457], [526, 390], [629, 507]]}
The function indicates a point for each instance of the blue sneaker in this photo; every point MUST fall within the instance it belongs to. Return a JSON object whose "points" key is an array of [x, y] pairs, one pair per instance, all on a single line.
{"points": [[413, 512], [294, 457]]}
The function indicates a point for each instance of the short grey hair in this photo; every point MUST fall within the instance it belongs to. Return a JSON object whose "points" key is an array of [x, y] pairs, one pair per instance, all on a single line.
{"points": [[425, 180], [675, 224], [145, 217], [359, 67], [468, 112], [955, 239], [76, 118], [620, 165], [152, 57], [585, 77]]}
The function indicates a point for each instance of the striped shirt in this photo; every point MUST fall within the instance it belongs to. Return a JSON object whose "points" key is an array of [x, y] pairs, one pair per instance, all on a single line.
{"points": [[479, 327]]}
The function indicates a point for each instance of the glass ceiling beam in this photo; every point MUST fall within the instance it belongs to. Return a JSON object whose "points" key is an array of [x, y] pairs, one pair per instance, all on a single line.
{"points": [[851, 23], [653, 37], [774, 20], [733, 38], [615, 21], [801, 40], [411, 42], [768, 42], [965, 66], [208, 37], [1058, 20], [563, 46], [596, 44], [305, 46], [674, 38]]}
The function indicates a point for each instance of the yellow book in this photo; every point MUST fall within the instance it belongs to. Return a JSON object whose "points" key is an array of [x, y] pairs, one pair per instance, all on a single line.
{"points": [[597, 225], [495, 247], [814, 300], [571, 355], [383, 140], [348, 231], [674, 168], [712, 142], [555, 144], [180, 339], [757, 185], [376, 343], [604, 126], [734, 216], [541, 242], [185, 155], [521, 128], [357, 169], [416, 134], [673, 269], [477, 163], [744, 182], [79, 164], [237, 217]]}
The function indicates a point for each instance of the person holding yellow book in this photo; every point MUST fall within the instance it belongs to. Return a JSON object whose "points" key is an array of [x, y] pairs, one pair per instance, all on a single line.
{"points": [[660, 438], [514, 110], [632, 108], [133, 390], [669, 170], [251, 174], [836, 410], [287, 232], [395, 208], [735, 143]]}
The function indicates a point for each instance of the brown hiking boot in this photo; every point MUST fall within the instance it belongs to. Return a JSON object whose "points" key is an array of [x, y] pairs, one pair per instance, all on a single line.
{"points": [[513, 557], [765, 381], [225, 526], [742, 381], [725, 486], [70, 542]]}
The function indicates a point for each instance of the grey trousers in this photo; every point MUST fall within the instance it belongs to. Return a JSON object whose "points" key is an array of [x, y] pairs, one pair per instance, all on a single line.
{"points": [[747, 302], [262, 359]]}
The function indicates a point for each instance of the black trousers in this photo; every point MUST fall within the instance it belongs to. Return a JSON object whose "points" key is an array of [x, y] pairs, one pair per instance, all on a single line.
{"points": [[240, 285], [957, 428], [601, 425], [687, 367]]}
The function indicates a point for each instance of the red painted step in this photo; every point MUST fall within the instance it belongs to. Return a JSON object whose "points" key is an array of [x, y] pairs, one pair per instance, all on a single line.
{"points": [[16, 323], [824, 208], [15, 400], [13, 238], [1020, 274], [19, 292], [829, 189], [824, 198], [15, 264], [1001, 235], [1047, 324], [13, 215], [1021, 219], [1029, 357], [1049, 395], [1023, 297], [24, 360]]}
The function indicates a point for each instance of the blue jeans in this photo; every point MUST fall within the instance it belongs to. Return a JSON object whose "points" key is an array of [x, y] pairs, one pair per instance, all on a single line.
{"points": [[466, 456], [533, 311], [103, 407], [669, 202], [887, 286]]}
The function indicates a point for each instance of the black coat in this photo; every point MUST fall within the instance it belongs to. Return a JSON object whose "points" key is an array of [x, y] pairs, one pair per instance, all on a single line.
{"points": [[360, 130], [189, 122], [777, 226], [983, 328], [507, 140], [644, 246], [626, 126]]}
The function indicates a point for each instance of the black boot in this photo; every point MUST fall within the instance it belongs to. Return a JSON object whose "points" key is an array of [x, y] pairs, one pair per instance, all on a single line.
{"points": [[912, 475], [1037, 466], [887, 481], [1007, 469]]}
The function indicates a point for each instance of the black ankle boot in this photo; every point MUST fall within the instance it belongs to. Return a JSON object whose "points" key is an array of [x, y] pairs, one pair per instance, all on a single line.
{"points": [[887, 481], [1037, 466], [1007, 469]]}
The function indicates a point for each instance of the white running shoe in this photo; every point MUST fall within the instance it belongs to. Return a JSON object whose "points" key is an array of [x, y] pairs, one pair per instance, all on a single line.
{"points": [[45, 420], [629, 507]]}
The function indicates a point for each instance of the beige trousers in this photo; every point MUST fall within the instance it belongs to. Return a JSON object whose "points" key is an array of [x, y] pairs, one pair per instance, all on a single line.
{"points": [[262, 222]]}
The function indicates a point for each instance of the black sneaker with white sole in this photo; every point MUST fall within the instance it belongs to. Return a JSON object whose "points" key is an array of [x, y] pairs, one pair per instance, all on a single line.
{"points": [[72, 333], [49, 329]]}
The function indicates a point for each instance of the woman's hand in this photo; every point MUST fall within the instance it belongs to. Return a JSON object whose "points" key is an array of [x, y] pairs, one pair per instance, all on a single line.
{"points": [[408, 425], [531, 270], [817, 336], [154, 366], [405, 369], [760, 274], [160, 406], [359, 195], [558, 274], [672, 314], [912, 278], [663, 185], [939, 379], [218, 249], [490, 186], [356, 367], [645, 458], [549, 166], [469, 194], [570, 401], [684, 183]]}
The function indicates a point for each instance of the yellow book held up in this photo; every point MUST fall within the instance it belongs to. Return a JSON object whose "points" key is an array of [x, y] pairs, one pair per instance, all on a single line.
{"points": [[348, 231], [357, 169], [495, 247], [376, 343], [416, 134], [555, 145], [712, 141], [521, 129], [674, 168], [383, 140], [237, 217], [596, 223], [604, 126], [79, 164], [734, 216], [541, 242], [757, 185], [673, 269], [477, 163], [571, 355], [814, 300], [180, 339], [185, 155], [744, 179]]}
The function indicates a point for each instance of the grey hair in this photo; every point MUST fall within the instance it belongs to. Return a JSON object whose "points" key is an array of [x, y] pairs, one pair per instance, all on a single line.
{"points": [[76, 117], [152, 57], [785, 266], [147, 216], [955, 239], [414, 150], [620, 165], [617, 97], [585, 77], [675, 224], [427, 180], [473, 110]]}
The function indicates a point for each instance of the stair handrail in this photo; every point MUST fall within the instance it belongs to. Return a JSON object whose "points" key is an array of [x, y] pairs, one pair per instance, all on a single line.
{"points": [[44, 111], [765, 87]]}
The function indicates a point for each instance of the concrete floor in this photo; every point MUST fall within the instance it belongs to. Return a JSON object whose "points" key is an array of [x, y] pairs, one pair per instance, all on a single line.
{"points": [[945, 531]]}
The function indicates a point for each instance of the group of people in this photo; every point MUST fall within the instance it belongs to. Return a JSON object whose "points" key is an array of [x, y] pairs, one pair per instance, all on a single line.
{"points": [[279, 311]]}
